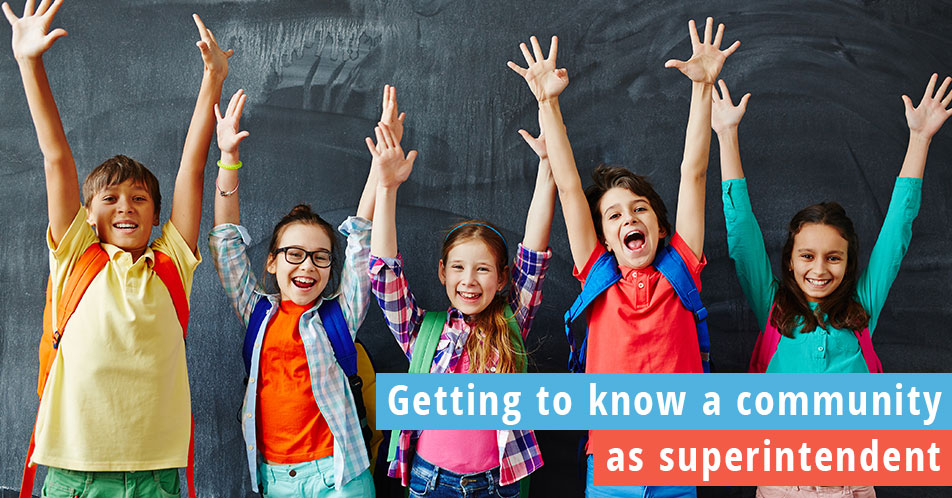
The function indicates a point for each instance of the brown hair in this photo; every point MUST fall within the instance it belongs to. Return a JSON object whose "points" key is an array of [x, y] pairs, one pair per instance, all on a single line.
{"points": [[117, 170], [302, 214], [608, 177], [841, 308], [491, 332]]}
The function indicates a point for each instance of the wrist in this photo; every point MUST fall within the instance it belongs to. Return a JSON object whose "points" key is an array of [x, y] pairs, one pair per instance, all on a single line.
{"points": [[229, 158], [217, 75], [918, 137], [727, 132]]}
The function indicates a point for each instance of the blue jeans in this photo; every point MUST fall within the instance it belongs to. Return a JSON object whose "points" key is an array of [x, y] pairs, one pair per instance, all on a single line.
{"points": [[431, 481], [592, 491], [313, 479]]}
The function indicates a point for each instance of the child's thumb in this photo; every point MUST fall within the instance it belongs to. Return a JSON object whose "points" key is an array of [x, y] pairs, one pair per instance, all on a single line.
{"points": [[411, 156]]}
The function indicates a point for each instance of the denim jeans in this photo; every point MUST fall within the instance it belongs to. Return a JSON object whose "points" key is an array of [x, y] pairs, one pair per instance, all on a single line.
{"points": [[592, 491], [428, 480]]}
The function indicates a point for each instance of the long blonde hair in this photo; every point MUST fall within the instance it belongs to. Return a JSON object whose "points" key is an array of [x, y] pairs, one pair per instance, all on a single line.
{"points": [[491, 335]]}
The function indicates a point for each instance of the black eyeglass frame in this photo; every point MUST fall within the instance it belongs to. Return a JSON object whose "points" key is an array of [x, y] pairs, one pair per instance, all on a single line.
{"points": [[307, 254]]}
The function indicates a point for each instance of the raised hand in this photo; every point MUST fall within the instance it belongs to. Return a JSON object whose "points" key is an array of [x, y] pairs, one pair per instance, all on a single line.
{"points": [[392, 166], [925, 119], [544, 80], [228, 135], [31, 33], [707, 57], [215, 59], [390, 115], [724, 114]]}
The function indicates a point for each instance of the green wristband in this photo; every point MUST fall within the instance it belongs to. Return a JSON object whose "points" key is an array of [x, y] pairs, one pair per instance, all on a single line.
{"points": [[231, 166]]}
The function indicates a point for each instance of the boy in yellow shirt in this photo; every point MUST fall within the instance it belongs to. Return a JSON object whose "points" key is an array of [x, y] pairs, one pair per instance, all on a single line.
{"points": [[114, 416]]}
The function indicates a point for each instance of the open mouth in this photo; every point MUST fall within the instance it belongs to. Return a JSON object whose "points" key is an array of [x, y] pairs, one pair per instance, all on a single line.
{"points": [[469, 296], [125, 227], [634, 240], [818, 282], [304, 283]]}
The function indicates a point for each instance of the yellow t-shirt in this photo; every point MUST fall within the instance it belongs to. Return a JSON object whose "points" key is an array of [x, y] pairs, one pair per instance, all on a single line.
{"points": [[117, 398]]}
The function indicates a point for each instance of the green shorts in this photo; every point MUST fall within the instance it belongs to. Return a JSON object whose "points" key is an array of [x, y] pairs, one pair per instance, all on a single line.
{"points": [[62, 483]]}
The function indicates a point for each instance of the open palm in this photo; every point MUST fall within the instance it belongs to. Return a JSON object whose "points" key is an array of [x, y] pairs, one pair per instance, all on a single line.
{"points": [[707, 58], [926, 118], [31, 35]]}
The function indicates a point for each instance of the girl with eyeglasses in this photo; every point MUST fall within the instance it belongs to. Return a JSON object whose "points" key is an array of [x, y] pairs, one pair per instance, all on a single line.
{"points": [[301, 428]]}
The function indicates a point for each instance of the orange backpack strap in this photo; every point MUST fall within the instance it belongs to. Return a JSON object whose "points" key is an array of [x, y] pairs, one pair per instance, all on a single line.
{"points": [[90, 263]]}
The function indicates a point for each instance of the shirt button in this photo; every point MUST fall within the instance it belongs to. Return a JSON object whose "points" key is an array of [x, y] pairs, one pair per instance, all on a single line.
{"points": [[251, 446], [248, 415], [641, 285], [251, 380], [292, 473], [819, 348]]}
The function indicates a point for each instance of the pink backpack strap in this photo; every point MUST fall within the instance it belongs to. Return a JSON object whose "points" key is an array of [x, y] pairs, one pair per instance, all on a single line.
{"points": [[765, 347], [866, 346]]}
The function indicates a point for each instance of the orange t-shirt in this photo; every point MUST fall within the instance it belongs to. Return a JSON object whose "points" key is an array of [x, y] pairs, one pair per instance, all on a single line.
{"points": [[639, 324], [291, 428]]}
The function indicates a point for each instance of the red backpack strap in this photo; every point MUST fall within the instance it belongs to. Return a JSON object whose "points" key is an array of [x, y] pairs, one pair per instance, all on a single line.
{"points": [[765, 347], [866, 346], [89, 264], [165, 268]]}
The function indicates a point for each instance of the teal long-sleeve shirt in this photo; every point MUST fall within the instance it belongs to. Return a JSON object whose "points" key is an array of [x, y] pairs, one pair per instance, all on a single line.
{"points": [[825, 349]]}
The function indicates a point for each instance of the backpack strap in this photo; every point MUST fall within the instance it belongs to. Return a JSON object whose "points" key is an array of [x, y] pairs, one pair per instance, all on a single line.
{"points": [[672, 266], [254, 327], [603, 274], [866, 346], [421, 359], [165, 268], [345, 350], [765, 347]]}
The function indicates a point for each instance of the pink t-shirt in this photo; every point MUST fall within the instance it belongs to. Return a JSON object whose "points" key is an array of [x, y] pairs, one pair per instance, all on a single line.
{"points": [[445, 448], [639, 324]]}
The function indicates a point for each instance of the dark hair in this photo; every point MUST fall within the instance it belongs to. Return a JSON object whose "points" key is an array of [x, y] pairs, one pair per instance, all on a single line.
{"points": [[491, 333], [608, 177], [302, 214], [117, 170], [841, 308]]}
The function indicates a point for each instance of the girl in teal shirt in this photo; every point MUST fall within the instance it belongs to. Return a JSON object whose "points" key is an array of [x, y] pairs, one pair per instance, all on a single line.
{"points": [[822, 300]]}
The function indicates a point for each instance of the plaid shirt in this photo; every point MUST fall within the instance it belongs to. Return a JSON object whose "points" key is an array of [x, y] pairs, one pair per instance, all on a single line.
{"points": [[228, 246], [518, 450]]}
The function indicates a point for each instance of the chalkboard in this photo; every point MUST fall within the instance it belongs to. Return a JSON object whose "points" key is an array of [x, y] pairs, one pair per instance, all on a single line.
{"points": [[825, 123]]}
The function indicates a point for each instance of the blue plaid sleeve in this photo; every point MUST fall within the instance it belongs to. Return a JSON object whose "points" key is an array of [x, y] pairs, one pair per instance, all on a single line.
{"points": [[399, 307], [228, 245]]}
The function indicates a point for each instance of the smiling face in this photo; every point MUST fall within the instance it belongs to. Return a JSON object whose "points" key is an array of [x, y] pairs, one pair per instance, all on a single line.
{"points": [[629, 227], [123, 215], [301, 283], [819, 260], [472, 276]]}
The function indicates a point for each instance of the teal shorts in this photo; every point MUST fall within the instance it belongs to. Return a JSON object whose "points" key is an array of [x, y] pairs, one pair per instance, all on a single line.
{"points": [[311, 479], [62, 483]]}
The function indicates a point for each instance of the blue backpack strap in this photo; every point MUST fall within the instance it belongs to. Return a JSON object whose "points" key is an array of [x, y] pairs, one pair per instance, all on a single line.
{"points": [[604, 274], [254, 326], [672, 266], [337, 332]]}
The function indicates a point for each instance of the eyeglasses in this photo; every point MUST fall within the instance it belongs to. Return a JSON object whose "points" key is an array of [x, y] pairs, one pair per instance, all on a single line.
{"points": [[296, 256]]}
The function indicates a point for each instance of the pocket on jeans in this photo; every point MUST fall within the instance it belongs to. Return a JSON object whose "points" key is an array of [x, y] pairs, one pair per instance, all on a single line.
{"points": [[59, 484], [509, 491], [167, 483], [419, 481]]}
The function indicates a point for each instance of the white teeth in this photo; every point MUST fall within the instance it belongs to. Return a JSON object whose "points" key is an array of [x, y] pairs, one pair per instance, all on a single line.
{"points": [[303, 280], [469, 295], [124, 225], [818, 283]]}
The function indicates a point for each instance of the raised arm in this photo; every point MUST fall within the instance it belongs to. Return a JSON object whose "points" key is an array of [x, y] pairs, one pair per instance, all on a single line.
{"points": [[187, 198], [227, 209], [924, 121], [393, 168], [725, 118], [547, 83], [542, 206], [702, 68], [391, 117], [31, 39]]}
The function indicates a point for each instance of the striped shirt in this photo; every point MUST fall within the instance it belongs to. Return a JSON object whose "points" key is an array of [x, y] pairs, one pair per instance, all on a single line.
{"points": [[228, 245], [518, 450]]}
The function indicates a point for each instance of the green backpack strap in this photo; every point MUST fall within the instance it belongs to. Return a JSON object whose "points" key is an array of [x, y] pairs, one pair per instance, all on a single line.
{"points": [[421, 360]]}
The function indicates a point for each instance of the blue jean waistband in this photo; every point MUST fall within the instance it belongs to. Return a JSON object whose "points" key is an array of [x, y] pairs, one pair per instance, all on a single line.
{"points": [[487, 477]]}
